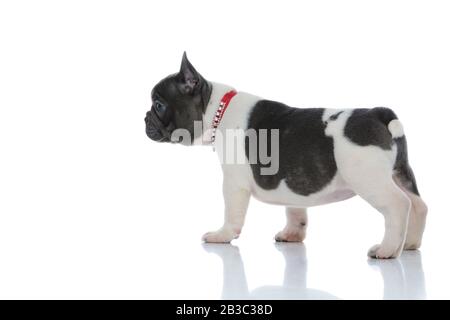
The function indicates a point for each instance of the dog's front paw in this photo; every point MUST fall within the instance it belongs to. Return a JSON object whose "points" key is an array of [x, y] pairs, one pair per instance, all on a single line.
{"points": [[223, 235], [380, 252], [291, 235]]}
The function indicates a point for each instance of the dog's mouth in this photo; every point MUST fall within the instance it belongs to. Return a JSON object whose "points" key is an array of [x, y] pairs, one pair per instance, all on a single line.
{"points": [[156, 135]]}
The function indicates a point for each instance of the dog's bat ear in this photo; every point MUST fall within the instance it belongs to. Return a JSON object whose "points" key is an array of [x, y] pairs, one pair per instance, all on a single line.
{"points": [[189, 76]]}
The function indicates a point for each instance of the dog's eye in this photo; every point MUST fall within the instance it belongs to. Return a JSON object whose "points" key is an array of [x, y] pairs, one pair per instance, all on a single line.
{"points": [[160, 107]]}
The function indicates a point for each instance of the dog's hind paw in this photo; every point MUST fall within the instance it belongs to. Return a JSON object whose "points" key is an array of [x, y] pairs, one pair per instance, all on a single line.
{"points": [[379, 252]]}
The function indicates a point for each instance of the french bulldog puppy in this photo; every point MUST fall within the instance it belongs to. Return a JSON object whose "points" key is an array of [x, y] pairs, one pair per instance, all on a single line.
{"points": [[317, 156]]}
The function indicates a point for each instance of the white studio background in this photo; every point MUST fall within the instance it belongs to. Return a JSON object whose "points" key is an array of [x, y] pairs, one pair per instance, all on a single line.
{"points": [[91, 208]]}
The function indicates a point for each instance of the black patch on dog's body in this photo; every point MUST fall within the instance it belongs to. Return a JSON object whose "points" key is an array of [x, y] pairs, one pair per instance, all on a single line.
{"points": [[306, 154], [369, 127], [335, 116]]}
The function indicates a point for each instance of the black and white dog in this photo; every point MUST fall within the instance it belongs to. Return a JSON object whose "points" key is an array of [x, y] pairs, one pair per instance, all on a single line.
{"points": [[321, 156]]}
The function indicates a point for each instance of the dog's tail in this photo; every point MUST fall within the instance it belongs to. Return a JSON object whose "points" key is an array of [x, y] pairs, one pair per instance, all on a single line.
{"points": [[390, 120], [402, 169], [395, 127]]}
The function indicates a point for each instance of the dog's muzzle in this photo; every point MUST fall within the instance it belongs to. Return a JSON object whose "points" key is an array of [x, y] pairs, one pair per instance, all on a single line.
{"points": [[155, 128]]}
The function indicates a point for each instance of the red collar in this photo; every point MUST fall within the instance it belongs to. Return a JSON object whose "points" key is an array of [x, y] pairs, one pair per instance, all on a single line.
{"points": [[224, 102]]}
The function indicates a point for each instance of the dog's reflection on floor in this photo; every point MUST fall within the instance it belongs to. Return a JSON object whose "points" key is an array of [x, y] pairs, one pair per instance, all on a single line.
{"points": [[403, 277], [294, 283]]}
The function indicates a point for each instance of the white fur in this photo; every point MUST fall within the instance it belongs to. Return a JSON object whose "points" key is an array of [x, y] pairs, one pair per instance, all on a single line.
{"points": [[363, 170], [396, 128]]}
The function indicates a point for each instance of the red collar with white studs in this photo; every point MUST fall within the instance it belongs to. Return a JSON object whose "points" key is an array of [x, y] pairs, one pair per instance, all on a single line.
{"points": [[224, 102]]}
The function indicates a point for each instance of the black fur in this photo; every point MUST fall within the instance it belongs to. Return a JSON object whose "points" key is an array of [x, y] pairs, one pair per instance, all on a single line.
{"points": [[183, 97], [335, 116], [369, 127], [402, 168], [306, 155]]}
